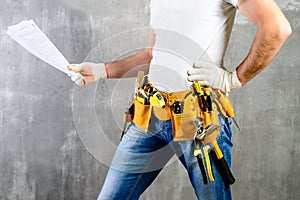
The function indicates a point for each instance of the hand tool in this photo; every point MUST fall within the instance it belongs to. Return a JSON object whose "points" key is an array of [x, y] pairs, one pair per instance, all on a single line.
{"points": [[200, 136], [142, 97], [156, 99], [139, 92], [208, 98], [198, 154], [224, 105], [204, 101], [139, 79], [205, 104], [208, 135], [146, 92], [154, 96], [128, 116], [210, 173], [204, 134], [210, 131], [217, 155], [200, 94], [222, 165]]}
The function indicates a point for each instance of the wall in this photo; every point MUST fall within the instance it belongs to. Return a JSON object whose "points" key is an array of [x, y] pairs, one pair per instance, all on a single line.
{"points": [[56, 140]]}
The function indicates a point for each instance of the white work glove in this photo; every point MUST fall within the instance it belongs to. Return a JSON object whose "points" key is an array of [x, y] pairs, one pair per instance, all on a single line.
{"points": [[88, 72], [218, 78]]}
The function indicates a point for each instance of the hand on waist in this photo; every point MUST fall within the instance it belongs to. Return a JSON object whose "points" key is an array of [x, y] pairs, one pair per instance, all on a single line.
{"points": [[210, 75]]}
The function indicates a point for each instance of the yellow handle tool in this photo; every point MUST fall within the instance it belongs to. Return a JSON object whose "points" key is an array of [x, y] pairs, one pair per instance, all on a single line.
{"points": [[139, 79], [198, 154], [156, 99], [225, 106], [200, 94], [222, 164], [208, 164]]}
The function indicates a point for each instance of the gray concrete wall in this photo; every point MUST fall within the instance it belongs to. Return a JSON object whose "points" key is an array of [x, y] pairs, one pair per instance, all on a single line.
{"points": [[56, 140]]}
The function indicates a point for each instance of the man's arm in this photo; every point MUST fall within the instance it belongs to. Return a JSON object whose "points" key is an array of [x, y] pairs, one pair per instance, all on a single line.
{"points": [[129, 66], [273, 31]]}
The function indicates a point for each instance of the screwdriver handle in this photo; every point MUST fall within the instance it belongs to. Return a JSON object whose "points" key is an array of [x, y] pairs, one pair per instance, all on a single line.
{"points": [[224, 104], [200, 94], [139, 79], [208, 98]]}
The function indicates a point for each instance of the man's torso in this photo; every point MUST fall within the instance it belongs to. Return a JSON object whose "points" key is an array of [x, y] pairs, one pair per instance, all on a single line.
{"points": [[187, 31]]}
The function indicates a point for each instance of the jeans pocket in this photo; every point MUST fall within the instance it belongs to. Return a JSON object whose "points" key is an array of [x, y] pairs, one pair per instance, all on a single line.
{"points": [[224, 139]]}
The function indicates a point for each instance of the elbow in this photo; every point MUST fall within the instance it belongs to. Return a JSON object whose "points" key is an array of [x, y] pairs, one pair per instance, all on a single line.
{"points": [[148, 55], [282, 31], [285, 31]]}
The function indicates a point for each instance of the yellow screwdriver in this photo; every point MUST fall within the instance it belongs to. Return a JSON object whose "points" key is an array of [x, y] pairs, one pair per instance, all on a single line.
{"points": [[225, 106]]}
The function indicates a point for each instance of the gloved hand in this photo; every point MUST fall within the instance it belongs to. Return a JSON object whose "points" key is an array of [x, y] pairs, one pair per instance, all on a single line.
{"points": [[88, 72], [218, 78]]}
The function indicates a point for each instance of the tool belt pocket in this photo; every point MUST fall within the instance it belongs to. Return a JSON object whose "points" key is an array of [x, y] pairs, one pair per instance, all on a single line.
{"points": [[183, 123], [183, 127], [142, 115]]}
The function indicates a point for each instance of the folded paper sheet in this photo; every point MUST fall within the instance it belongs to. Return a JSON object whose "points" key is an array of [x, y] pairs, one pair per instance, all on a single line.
{"points": [[30, 36]]}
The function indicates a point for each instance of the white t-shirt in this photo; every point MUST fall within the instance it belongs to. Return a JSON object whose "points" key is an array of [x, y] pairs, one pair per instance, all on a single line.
{"points": [[187, 31]]}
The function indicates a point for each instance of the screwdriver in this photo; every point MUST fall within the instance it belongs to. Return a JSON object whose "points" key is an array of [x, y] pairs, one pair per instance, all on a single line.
{"points": [[225, 106], [200, 94]]}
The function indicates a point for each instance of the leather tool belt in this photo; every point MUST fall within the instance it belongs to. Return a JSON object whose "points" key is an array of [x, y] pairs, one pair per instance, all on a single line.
{"points": [[180, 107], [195, 116]]}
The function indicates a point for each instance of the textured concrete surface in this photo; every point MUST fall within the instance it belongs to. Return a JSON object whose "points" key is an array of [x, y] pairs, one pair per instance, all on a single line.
{"points": [[47, 151]]}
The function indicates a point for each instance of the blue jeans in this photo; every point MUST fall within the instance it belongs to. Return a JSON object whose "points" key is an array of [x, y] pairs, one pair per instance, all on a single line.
{"points": [[141, 155]]}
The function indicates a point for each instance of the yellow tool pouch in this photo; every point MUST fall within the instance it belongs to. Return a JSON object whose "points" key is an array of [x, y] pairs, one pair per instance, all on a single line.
{"points": [[183, 126], [142, 115], [181, 108]]}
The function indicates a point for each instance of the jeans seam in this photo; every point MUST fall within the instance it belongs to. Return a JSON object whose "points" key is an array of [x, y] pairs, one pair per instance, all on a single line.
{"points": [[137, 181], [134, 187]]}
